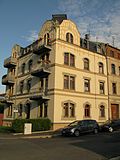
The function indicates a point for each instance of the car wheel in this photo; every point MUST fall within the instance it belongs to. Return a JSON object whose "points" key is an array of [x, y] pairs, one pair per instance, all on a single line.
{"points": [[110, 129], [77, 133], [95, 131]]}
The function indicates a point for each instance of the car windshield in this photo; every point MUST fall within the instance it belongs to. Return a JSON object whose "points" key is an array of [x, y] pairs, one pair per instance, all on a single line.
{"points": [[109, 122], [75, 123]]}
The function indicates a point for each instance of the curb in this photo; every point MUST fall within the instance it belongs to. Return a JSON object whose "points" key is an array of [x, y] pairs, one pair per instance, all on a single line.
{"points": [[38, 132], [35, 137]]}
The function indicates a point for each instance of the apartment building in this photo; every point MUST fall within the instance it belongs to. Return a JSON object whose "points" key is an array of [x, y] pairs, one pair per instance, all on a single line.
{"points": [[60, 76], [113, 67]]}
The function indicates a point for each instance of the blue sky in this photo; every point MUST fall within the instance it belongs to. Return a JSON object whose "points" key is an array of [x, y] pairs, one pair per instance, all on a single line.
{"points": [[21, 20]]}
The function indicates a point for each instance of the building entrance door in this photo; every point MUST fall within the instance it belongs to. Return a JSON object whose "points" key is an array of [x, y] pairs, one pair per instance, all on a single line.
{"points": [[27, 111], [114, 111]]}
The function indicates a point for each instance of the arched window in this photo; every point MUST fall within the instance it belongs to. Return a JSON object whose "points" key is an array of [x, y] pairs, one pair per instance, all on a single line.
{"points": [[102, 111], [69, 110], [101, 68], [113, 68], [47, 39], [86, 63], [87, 110], [69, 37], [30, 65]]}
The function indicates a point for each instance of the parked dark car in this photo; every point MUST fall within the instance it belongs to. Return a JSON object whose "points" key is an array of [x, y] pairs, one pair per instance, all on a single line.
{"points": [[83, 126], [111, 125]]}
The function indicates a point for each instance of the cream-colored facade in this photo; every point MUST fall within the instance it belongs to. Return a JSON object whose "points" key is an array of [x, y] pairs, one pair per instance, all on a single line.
{"points": [[55, 77], [113, 67]]}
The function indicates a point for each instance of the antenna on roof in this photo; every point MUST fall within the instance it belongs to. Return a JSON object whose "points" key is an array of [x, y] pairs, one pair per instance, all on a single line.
{"points": [[96, 38], [113, 41]]}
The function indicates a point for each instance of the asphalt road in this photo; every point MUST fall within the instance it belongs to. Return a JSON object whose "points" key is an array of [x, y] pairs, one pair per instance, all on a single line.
{"points": [[102, 146]]}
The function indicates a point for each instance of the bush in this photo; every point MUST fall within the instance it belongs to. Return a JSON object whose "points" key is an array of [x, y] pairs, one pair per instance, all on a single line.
{"points": [[41, 124], [5, 129]]}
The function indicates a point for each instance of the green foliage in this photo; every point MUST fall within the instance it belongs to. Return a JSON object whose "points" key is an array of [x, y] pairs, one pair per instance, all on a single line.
{"points": [[5, 129], [41, 124]]}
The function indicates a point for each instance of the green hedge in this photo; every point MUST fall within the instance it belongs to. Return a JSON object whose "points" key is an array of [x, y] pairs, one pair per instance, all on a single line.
{"points": [[5, 129], [41, 124]]}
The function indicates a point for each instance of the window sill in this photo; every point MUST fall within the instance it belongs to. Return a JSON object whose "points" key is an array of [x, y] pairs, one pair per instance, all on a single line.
{"points": [[86, 117], [68, 118], [102, 118]]}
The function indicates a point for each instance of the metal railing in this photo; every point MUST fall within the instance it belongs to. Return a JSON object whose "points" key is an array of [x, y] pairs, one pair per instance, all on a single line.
{"points": [[38, 92], [8, 78], [10, 60], [42, 65]]}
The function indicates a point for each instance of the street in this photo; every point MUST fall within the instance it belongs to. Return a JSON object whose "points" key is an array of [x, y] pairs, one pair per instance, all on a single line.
{"points": [[102, 146]]}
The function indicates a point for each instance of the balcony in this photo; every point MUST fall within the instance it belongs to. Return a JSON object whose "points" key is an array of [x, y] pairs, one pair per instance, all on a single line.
{"points": [[10, 62], [8, 80], [41, 49], [42, 70], [39, 94], [7, 100]]}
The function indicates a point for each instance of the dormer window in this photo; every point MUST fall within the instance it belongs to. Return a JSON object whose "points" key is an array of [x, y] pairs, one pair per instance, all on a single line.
{"points": [[69, 37], [101, 68]]}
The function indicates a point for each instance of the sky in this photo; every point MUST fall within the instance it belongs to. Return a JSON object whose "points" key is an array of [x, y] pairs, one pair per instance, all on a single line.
{"points": [[21, 20]]}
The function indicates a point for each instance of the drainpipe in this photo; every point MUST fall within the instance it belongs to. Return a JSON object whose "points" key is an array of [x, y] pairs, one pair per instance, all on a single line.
{"points": [[107, 82]]}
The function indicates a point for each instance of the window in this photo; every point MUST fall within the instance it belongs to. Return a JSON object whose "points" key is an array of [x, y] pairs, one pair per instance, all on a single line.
{"points": [[21, 86], [87, 110], [69, 37], [69, 82], [29, 85], [111, 53], [66, 58], [86, 85], [66, 82], [113, 68], [101, 69], [114, 88], [44, 109], [101, 84], [86, 63], [23, 68], [9, 111], [72, 82], [69, 59], [69, 110], [102, 111], [72, 60], [47, 39], [30, 65]]}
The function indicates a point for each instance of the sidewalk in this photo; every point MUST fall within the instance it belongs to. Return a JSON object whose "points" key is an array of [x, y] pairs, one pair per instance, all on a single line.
{"points": [[39, 134]]}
